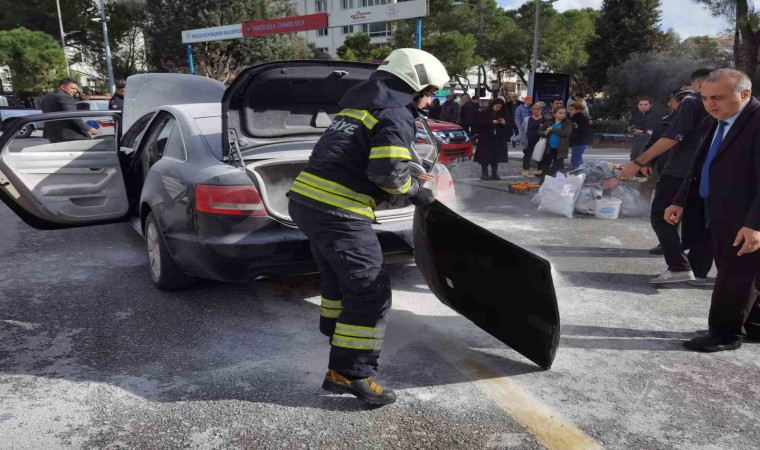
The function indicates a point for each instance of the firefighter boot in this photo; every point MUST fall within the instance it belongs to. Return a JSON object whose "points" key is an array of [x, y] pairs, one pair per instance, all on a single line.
{"points": [[362, 388]]}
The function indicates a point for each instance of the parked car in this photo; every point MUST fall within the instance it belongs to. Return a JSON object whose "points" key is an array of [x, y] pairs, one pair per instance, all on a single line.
{"points": [[203, 171], [9, 109], [105, 125], [456, 146]]}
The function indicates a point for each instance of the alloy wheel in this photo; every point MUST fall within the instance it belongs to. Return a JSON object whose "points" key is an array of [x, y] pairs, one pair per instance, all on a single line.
{"points": [[154, 251]]}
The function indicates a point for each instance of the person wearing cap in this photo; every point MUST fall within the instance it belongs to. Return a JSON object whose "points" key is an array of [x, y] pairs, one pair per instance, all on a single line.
{"points": [[361, 160], [521, 113], [117, 99]]}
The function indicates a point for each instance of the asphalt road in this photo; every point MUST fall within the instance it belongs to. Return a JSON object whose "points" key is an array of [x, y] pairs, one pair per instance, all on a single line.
{"points": [[92, 356]]}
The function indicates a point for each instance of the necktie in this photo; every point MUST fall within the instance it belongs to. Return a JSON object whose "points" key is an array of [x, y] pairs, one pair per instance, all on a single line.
{"points": [[704, 183]]}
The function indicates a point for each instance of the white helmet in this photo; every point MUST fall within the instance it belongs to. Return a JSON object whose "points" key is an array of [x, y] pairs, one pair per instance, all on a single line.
{"points": [[419, 69]]}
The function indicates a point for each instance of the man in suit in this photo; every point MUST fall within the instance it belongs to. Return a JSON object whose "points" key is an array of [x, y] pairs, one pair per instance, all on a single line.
{"points": [[59, 101], [724, 185]]}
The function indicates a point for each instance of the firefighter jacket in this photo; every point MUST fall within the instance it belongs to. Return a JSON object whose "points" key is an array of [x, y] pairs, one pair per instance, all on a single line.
{"points": [[363, 156]]}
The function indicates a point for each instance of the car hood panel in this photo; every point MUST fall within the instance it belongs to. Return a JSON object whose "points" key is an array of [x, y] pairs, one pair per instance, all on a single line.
{"points": [[502, 288]]}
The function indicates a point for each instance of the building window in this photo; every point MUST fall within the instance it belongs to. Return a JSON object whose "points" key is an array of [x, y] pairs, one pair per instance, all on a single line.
{"points": [[348, 29], [322, 32], [377, 29], [320, 5], [346, 4], [366, 3], [323, 49]]}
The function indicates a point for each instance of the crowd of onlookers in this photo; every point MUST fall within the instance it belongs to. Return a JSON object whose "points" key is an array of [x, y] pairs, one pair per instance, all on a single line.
{"points": [[511, 121]]}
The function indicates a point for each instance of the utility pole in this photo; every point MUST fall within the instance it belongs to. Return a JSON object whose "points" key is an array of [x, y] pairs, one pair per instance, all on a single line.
{"points": [[63, 38], [109, 66], [534, 63]]}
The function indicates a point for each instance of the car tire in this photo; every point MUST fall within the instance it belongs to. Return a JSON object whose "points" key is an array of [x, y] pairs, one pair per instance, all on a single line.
{"points": [[26, 131], [163, 270]]}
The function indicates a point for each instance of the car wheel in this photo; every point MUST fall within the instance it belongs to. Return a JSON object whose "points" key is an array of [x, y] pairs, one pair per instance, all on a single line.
{"points": [[26, 131], [163, 270]]}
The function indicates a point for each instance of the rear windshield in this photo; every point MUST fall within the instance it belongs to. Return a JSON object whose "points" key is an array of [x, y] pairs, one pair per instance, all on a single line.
{"points": [[211, 128]]}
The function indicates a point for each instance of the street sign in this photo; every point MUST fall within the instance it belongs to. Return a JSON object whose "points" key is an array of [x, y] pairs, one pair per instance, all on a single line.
{"points": [[380, 13], [285, 25], [212, 34]]}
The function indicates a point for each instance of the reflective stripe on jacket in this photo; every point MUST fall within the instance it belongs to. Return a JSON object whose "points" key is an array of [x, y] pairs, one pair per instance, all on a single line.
{"points": [[361, 158]]}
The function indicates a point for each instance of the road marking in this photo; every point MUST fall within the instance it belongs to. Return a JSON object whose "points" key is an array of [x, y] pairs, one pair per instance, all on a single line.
{"points": [[547, 426]]}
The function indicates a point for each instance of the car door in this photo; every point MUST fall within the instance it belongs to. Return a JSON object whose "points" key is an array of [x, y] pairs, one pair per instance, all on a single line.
{"points": [[55, 183], [502, 288]]}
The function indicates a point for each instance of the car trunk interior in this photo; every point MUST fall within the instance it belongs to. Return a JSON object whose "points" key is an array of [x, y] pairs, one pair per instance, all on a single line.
{"points": [[275, 176]]}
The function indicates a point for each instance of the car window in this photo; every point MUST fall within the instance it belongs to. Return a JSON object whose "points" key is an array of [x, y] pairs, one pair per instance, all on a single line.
{"points": [[133, 136], [155, 146], [175, 146]]}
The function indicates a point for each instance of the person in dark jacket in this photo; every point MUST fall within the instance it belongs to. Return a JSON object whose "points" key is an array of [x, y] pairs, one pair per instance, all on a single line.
{"points": [[117, 99], [494, 124], [557, 132], [362, 159], [468, 114], [580, 138], [435, 109], [450, 109], [723, 187], [59, 101], [642, 125]]}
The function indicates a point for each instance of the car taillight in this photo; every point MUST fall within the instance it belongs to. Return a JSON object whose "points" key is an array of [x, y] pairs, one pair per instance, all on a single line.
{"points": [[229, 200], [104, 123]]}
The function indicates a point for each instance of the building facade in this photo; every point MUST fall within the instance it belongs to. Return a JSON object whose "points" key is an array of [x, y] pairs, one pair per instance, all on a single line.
{"points": [[329, 39]]}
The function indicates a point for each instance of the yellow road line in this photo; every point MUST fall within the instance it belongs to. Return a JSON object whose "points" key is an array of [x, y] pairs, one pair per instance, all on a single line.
{"points": [[548, 427]]}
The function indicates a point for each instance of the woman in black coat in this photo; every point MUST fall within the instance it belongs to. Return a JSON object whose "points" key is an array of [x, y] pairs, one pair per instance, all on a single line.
{"points": [[581, 136], [494, 124]]}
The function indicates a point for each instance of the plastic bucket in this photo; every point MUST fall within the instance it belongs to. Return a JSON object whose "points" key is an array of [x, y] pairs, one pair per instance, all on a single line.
{"points": [[608, 207]]}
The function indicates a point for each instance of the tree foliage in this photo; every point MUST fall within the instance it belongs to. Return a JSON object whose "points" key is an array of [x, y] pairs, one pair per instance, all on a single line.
{"points": [[357, 47], [82, 32], [746, 36], [455, 50], [624, 27], [35, 59]]}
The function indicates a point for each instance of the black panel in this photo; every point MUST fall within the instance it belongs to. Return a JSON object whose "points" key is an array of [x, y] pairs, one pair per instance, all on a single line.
{"points": [[502, 288]]}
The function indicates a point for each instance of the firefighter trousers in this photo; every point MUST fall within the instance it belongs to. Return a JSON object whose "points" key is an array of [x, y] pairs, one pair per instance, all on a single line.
{"points": [[355, 288]]}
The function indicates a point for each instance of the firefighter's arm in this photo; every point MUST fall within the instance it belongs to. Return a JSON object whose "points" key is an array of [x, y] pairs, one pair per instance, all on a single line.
{"points": [[389, 156]]}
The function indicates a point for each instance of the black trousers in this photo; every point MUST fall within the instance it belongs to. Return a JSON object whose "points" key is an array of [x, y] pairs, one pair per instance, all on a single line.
{"points": [[355, 287], [735, 305], [528, 154], [700, 258], [550, 164]]}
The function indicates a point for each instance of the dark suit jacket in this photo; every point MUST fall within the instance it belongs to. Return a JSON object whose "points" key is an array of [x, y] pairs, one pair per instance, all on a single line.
{"points": [[734, 199], [62, 130]]}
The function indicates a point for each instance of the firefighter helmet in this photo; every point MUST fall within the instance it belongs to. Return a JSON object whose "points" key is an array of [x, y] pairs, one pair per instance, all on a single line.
{"points": [[417, 68]]}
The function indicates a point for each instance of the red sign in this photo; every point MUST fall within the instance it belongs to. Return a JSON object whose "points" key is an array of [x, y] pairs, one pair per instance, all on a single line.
{"points": [[285, 25]]}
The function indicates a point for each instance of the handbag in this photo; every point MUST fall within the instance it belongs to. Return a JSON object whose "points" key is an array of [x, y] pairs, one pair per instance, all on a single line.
{"points": [[539, 149]]}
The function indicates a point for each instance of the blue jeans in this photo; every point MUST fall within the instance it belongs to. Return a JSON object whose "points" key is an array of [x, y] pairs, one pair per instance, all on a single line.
{"points": [[577, 158]]}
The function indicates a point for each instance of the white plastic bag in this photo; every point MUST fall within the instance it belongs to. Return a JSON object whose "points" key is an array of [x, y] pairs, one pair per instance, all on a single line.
{"points": [[560, 193], [539, 149], [586, 203]]}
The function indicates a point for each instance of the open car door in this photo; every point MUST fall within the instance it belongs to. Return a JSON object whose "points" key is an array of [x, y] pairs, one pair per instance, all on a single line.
{"points": [[62, 177], [502, 288]]}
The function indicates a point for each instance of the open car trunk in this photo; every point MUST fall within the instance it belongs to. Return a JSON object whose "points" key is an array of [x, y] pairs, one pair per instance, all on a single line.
{"points": [[275, 113], [286, 101]]}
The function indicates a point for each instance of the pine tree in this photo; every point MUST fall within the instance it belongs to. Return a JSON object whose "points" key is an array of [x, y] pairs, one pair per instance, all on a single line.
{"points": [[625, 27]]}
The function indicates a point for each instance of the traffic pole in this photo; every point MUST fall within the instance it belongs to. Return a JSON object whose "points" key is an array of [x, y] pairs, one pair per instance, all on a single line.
{"points": [[419, 33], [190, 58]]}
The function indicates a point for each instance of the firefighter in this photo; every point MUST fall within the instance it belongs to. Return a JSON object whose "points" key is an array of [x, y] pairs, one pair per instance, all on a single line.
{"points": [[361, 159]]}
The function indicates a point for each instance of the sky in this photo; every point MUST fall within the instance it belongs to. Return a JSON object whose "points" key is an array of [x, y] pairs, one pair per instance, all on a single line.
{"points": [[698, 21]]}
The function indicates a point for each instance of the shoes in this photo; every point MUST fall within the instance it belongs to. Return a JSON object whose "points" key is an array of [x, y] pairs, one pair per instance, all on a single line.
{"points": [[712, 343], [495, 177], [485, 177], [525, 173], [363, 388], [668, 277], [539, 174], [700, 282], [656, 250]]}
